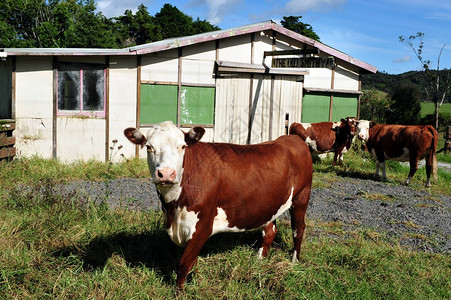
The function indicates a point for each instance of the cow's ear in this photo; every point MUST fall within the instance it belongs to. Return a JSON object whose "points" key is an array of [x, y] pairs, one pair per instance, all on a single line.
{"points": [[372, 123], [343, 121], [135, 136], [335, 128], [194, 135]]}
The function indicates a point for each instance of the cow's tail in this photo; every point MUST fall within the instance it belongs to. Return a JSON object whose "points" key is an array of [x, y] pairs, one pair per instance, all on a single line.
{"points": [[432, 154]]}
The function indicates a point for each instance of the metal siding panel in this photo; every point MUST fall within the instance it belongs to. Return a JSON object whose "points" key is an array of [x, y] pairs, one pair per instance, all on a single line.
{"points": [[198, 71], [73, 130], [160, 68]]}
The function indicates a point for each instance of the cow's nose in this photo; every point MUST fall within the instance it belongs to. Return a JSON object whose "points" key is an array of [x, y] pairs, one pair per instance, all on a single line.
{"points": [[166, 174]]}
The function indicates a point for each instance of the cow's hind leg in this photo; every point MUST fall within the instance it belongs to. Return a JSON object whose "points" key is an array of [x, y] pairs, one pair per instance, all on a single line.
{"points": [[297, 211], [413, 167], [269, 233]]}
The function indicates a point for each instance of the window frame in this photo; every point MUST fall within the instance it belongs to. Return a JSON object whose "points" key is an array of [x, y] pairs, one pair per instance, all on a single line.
{"points": [[82, 67]]}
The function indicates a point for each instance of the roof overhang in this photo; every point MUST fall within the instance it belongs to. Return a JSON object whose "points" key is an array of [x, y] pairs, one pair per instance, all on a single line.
{"points": [[174, 43]]}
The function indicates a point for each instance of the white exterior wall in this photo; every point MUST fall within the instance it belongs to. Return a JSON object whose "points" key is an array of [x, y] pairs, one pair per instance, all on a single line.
{"points": [[346, 80], [318, 78], [161, 66], [123, 103], [34, 106], [80, 139], [198, 63], [236, 49]]}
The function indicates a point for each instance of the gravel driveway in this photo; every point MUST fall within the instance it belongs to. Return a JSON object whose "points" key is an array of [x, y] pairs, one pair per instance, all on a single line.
{"points": [[417, 219]]}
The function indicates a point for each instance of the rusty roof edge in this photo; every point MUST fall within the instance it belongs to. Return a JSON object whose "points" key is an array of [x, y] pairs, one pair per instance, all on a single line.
{"points": [[62, 51], [174, 43], [199, 38]]}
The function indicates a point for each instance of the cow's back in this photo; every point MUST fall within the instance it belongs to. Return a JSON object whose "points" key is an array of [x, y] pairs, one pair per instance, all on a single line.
{"points": [[249, 183], [394, 140], [319, 136]]}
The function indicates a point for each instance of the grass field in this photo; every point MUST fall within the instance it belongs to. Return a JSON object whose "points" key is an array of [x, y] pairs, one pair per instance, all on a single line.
{"points": [[52, 247], [429, 108]]}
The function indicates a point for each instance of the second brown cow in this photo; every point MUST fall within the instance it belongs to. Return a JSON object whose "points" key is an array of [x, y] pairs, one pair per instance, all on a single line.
{"points": [[325, 137]]}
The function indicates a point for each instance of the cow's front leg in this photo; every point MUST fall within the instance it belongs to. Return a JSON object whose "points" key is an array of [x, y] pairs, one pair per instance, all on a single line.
{"points": [[192, 249], [384, 175], [269, 233], [377, 168]]}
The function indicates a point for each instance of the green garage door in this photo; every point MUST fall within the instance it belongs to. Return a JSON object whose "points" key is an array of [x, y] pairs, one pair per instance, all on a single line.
{"points": [[344, 106], [315, 107], [159, 103]]}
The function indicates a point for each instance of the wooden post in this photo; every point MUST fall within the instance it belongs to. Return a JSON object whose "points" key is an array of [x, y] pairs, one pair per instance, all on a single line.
{"points": [[55, 107], [107, 109], [179, 87], [331, 103], [138, 99], [448, 139]]}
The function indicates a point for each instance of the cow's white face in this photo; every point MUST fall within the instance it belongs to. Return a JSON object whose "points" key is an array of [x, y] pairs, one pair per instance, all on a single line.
{"points": [[165, 145], [363, 130]]}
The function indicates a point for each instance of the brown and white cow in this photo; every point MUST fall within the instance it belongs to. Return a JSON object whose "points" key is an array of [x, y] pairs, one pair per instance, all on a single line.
{"points": [[206, 188], [324, 137], [400, 143]]}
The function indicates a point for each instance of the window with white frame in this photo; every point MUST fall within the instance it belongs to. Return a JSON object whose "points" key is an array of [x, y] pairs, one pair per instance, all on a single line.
{"points": [[81, 89]]}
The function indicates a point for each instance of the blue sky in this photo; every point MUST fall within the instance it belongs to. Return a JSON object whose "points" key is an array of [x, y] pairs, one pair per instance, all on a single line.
{"points": [[366, 30]]}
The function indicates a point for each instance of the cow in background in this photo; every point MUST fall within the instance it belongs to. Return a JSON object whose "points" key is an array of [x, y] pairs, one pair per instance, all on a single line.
{"points": [[324, 137], [206, 188], [400, 143]]}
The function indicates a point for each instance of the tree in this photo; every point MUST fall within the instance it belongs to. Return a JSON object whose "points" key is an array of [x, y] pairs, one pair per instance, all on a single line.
{"points": [[406, 106], [436, 86], [201, 26], [293, 23], [53, 23], [173, 22], [374, 105], [137, 29]]}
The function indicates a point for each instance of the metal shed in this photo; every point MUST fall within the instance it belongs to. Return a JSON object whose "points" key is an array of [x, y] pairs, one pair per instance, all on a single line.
{"points": [[244, 85]]}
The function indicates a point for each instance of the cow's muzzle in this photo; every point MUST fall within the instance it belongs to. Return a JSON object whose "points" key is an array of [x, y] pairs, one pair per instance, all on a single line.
{"points": [[165, 176]]}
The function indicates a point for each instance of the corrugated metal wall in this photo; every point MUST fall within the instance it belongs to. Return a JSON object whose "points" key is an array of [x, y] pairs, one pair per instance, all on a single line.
{"points": [[267, 119]]}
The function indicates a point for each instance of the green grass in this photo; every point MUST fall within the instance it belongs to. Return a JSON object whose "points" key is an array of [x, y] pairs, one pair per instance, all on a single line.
{"points": [[53, 247], [429, 108]]}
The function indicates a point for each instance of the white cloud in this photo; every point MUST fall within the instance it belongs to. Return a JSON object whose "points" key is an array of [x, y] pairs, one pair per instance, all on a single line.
{"points": [[405, 58], [110, 8], [219, 9], [296, 6]]}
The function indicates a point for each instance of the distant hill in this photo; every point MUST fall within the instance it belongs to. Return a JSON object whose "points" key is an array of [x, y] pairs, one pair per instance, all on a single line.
{"points": [[387, 82]]}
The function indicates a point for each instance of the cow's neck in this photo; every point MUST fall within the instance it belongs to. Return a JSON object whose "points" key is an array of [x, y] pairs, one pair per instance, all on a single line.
{"points": [[170, 193]]}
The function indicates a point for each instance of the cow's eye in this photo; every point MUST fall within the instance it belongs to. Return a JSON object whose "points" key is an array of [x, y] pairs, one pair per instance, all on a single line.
{"points": [[183, 147]]}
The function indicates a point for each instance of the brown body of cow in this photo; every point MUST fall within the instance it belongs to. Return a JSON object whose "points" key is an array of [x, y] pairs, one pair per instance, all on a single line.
{"points": [[401, 143], [231, 188], [324, 137]]}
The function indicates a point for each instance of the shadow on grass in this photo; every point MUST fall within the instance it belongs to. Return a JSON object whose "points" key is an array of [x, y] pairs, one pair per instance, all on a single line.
{"points": [[344, 172], [154, 250]]}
